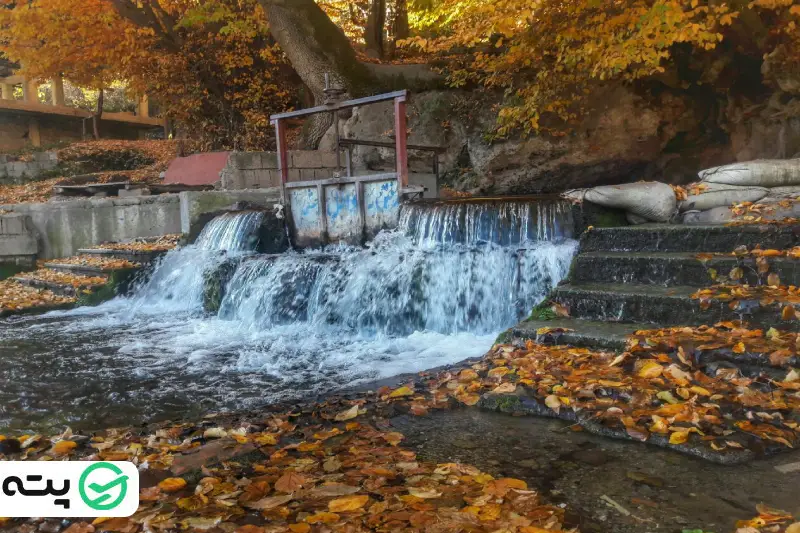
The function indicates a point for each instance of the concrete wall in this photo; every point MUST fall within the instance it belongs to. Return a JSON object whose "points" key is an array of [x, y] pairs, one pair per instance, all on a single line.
{"points": [[259, 170], [18, 243], [64, 227], [14, 171], [194, 204]]}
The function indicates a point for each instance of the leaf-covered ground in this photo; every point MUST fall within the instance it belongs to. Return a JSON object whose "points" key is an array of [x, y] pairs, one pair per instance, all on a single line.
{"points": [[64, 278], [158, 244], [99, 262], [333, 470], [161, 153], [16, 297]]}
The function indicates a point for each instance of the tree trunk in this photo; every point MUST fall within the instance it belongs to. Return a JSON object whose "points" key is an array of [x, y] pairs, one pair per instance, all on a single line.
{"points": [[400, 29], [314, 46], [98, 114], [373, 33]]}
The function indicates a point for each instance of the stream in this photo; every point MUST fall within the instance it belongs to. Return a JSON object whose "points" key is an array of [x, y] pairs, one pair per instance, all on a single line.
{"points": [[435, 291]]}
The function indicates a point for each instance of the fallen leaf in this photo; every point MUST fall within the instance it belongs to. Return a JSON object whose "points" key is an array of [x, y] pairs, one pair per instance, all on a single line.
{"points": [[271, 502], [402, 391], [290, 482], [553, 402], [424, 493], [348, 503], [64, 447], [347, 414], [172, 484]]}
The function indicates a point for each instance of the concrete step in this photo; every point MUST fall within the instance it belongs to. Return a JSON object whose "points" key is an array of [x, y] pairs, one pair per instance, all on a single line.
{"points": [[87, 270], [57, 288], [678, 238], [583, 333], [673, 269], [654, 304], [134, 256]]}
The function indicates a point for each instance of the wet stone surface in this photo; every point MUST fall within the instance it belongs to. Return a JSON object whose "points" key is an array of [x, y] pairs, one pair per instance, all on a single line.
{"points": [[660, 489]]}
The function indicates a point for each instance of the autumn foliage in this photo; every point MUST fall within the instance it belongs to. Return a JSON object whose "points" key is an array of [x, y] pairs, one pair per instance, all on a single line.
{"points": [[548, 56], [210, 66]]}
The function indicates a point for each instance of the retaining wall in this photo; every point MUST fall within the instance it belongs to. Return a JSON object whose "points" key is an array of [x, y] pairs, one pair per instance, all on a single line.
{"points": [[259, 170], [14, 171], [64, 227]]}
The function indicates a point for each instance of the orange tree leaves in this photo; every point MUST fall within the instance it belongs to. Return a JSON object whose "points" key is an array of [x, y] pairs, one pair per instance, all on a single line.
{"points": [[211, 65], [548, 56]]}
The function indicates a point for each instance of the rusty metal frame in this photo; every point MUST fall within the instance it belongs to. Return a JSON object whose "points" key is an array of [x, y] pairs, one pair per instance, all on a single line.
{"points": [[400, 131]]}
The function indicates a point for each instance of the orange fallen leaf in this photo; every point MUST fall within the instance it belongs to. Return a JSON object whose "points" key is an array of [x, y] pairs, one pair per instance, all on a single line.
{"points": [[348, 503]]}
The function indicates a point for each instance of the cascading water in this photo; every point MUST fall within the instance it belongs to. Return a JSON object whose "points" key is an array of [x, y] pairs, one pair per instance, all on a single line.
{"points": [[177, 282], [433, 292]]}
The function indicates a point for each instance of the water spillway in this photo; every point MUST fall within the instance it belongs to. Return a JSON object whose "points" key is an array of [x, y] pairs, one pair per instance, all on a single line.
{"points": [[436, 290]]}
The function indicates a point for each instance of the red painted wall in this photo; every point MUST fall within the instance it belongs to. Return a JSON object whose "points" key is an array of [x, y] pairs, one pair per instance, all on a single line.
{"points": [[197, 169]]}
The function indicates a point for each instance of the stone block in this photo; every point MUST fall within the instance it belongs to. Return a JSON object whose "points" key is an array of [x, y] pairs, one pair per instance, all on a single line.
{"points": [[323, 173], [195, 203], [294, 174], [245, 160], [13, 224], [16, 245], [307, 174], [269, 160], [312, 159]]}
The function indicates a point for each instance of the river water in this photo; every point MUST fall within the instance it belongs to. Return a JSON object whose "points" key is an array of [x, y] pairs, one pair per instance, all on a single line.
{"points": [[436, 291]]}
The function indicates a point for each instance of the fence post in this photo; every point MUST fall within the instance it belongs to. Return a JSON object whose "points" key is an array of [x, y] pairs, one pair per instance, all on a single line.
{"points": [[283, 157], [401, 133]]}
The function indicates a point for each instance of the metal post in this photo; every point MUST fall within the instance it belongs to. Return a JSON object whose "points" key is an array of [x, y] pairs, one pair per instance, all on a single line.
{"points": [[283, 157], [401, 132]]}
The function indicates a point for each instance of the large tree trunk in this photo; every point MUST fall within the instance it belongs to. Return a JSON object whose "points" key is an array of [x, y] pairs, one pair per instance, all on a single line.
{"points": [[400, 29], [373, 33], [315, 46], [98, 114]]}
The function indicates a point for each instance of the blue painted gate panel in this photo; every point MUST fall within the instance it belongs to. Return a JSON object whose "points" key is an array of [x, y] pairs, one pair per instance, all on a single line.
{"points": [[382, 205], [305, 214], [341, 208]]}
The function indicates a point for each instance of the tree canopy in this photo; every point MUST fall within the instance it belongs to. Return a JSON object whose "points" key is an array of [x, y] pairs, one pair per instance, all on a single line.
{"points": [[222, 66]]}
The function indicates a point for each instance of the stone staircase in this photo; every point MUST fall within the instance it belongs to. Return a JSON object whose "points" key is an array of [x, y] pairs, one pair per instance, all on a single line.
{"points": [[643, 277], [96, 275]]}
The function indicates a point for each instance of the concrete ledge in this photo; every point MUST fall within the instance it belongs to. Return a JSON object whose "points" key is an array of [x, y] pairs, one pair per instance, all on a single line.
{"points": [[64, 227], [193, 204]]}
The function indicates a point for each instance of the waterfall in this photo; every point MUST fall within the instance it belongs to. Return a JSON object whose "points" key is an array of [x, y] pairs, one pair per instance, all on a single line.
{"points": [[450, 268], [507, 223], [231, 232], [178, 279], [434, 291]]}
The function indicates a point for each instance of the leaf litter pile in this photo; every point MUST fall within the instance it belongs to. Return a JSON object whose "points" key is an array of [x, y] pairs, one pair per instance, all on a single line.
{"points": [[742, 297], [331, 471], [98, 262], [68, 279], [157, 244], [16, 297], [157, 154]]}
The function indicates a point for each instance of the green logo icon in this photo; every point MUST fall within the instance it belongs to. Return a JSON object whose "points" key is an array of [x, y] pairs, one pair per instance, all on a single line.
{"points": [[102, 493]]}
